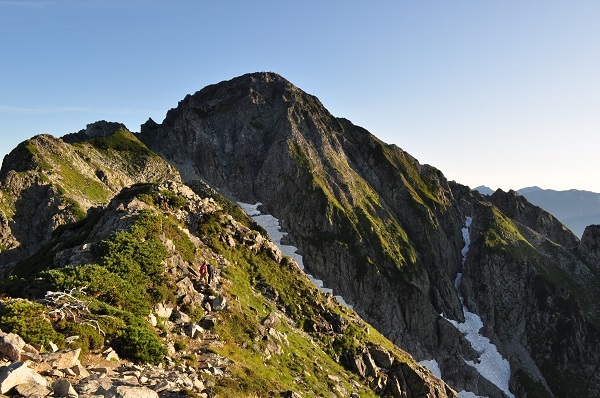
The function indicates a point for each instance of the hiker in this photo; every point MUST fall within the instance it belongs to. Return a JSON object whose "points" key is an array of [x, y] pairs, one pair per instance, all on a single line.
{"points": [[211, 273], [160, 200], [204, 277]]}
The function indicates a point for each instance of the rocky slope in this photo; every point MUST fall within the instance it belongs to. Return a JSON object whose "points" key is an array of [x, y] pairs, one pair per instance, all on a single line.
{"points": [[118, 293], [46, 182], [390, 235]]}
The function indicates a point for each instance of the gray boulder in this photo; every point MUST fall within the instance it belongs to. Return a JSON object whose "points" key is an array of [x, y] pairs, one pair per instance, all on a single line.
{"points": [[63, 359], [11, 345], [134, 392], [381, 357], [64, 388]]}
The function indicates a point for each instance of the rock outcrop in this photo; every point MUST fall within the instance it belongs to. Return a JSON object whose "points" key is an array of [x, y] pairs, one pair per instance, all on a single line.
{"points": [[46, 182], [61, 374], [98, 129], [590, 243], [517, 208]]}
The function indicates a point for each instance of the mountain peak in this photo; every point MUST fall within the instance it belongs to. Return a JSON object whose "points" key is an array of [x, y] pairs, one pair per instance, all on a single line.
{"points": [[267, 111], [98, 129], [484, 190], [527, 190]]}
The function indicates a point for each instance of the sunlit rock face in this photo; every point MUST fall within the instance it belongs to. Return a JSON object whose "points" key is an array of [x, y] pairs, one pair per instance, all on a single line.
{"points": [[385, 232]]}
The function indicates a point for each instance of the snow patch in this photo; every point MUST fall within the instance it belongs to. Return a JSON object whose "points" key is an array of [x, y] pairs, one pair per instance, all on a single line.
{"points": [[490, 363], [468, 394], [271, 225], [433, 367]]}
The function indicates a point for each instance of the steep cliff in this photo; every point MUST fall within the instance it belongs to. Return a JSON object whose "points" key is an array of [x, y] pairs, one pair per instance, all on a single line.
{"points": [[391, 235]]}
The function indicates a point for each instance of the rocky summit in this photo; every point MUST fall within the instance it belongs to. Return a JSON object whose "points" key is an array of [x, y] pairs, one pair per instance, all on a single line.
{"points": [[441, 291]]}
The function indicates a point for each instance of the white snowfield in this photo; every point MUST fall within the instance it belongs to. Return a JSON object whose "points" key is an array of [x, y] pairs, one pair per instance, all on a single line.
{"points": [[271, 225], [490, 363]]}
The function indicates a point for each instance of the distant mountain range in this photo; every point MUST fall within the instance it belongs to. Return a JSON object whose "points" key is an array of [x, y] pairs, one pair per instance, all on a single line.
{"points": [[574, 208]]}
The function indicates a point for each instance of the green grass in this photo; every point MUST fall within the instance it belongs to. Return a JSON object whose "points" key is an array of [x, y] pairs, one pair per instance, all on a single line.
{"points": [[122, 141], [243, 342], [501, 232], [75, 183]]}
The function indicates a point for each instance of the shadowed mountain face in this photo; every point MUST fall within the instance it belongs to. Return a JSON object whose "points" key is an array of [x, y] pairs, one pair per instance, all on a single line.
{"points": [[389, 235]]}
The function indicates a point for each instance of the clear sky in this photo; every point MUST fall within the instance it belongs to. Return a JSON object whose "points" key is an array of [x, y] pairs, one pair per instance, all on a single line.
{"points": [[503, 93]]}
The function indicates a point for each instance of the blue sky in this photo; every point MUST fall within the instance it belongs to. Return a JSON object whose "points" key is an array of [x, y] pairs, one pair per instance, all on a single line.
{"points": [[500, 93]]}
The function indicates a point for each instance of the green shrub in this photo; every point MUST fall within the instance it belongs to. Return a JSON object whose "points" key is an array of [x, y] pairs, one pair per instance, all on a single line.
{"points": [[137, 256], [132, 258], [140, 344], [75, 208], [175, 201], [103, 285], [352, 340], [130, 335], [119, 292], [89, 337], [13, 285], [29, 320], [196, 313], [180, 345], [150, 225]]}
